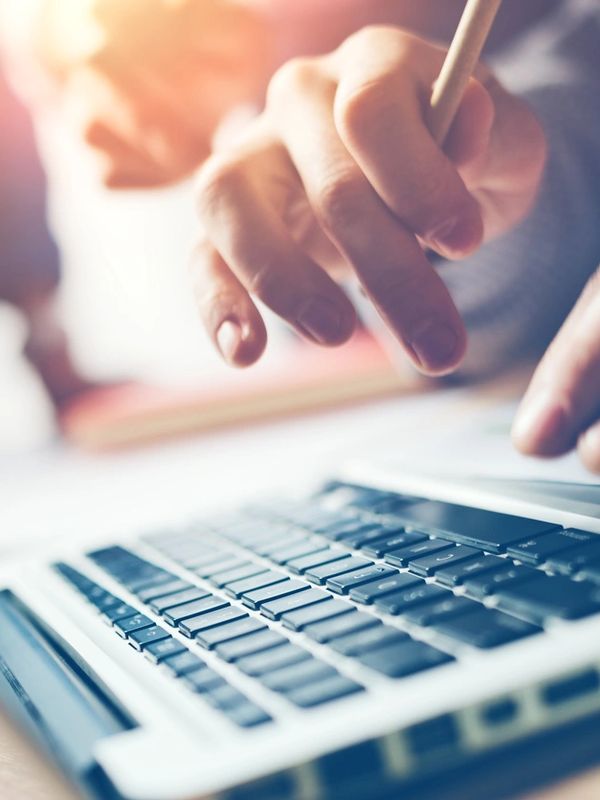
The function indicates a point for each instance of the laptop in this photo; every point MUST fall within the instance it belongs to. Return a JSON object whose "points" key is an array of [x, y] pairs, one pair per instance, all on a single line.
{"points": [[347, 640]]}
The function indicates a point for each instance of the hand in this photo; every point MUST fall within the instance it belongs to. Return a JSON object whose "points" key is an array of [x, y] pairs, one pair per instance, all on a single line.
{"points": [[340, 173], [148, 81], [561, 408]]}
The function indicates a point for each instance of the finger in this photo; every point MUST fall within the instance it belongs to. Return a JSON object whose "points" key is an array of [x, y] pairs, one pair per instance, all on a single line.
{"points": [[389, 262], [468, 139], [588, 447], [230, 317], [563, 398], [379, 116], [246, 228]]}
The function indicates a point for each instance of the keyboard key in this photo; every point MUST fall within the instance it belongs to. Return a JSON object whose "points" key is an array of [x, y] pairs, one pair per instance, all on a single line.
{"points": [[550, 596], [203, 680], [182, 664], [275, 609], [298, 550], [429, 565], [231, 630], [399, 602], [401, 557], [158, 651], [379, 547], [249, 645], [339, 531], [432, 613], [248, 715], [490, 582], [399, 659], [326, 630], [367, 535], [121, 611], [145, 595], [249, 570], [261, 663], [484, 530], [456, 574], [142, 638], [267, 578], [369, 592], [161, 604], [572, 561], [299, 619], [288, 678], [130, 624], [225, 697], [591, 572], [363, 641], [213, 570], [538, 549], [177, 614], [300, 565], [324, 691], [485, 628], [202, 622], [343, 583], [257, 597], [321, 574]]}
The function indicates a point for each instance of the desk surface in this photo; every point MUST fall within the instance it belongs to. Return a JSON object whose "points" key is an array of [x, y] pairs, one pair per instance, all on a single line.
{"points": [[229, 467]]}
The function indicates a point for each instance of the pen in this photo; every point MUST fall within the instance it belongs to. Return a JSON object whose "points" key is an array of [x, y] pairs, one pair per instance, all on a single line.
{"points": [[463, 55]]}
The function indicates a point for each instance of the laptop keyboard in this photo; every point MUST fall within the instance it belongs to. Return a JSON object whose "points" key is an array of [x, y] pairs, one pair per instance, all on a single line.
{"points": [[396, 584]]}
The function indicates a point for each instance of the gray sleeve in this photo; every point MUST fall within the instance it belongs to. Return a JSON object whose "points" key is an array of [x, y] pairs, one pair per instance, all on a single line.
{"points": [[516, 291]]}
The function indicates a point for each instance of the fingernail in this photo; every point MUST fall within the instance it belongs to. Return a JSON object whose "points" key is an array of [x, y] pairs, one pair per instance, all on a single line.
{"points": [[541, 425], [320, 320], [456, 235], [229, 337], [435, 346]]}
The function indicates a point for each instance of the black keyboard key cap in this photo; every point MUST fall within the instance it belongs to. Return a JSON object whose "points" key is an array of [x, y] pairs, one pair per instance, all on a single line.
{"points": [[369, 592], [372, 533], [315, 694], [337, 532], [288, 678], [276, 609], [108, 602], [432, 613], [366, 640], [248, 715], [266, 578], [159, 651], [321, 574], [400, 659], [457, 574], [399, 602], [402, 556], [591, 572], [297, 550], [212, 571], [160, 604], [203, 680], [130, 624], [343, 583], [261, 663], [142, 638], [299, 619], [485, 628], [249, 570], [192, 626], [572, 561], [225, 697], [257, 597], [326, 630], [429, 565], [538, 549], [231, 630], [182, 664], [177, 614], [300, 565], [550, 596], [142, 580], [145, 595], [485, 530], [122, 611], [249, 645], [381, 546], [491, 582]]}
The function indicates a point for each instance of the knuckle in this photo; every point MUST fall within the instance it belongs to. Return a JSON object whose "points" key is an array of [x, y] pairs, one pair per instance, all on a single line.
{"points": [[218, 180], [339, 201], [295, 76], [358, 108]]}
